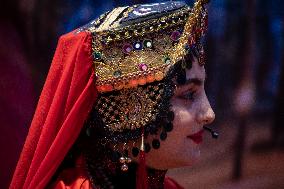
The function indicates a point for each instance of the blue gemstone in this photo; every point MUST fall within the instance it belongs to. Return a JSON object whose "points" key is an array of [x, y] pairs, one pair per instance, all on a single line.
{"points": [[137, 46]]}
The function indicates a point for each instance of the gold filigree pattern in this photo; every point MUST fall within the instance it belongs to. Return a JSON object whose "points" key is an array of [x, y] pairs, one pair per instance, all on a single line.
{"points": [[114, 59], [130, 108]]}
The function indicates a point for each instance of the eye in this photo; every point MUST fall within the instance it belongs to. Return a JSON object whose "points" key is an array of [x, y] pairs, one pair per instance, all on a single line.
{"points": [[189, 95]]}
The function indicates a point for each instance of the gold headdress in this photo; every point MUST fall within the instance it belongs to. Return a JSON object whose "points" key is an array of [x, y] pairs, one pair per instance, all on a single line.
{"points": [[137, 61], [137, 45]]}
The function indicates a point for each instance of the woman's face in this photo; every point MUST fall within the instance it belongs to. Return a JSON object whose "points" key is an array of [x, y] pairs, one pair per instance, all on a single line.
{"points": [[192, 111]]}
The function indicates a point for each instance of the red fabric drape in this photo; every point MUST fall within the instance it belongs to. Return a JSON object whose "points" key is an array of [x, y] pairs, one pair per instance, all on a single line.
{"points": [[66, 99]]}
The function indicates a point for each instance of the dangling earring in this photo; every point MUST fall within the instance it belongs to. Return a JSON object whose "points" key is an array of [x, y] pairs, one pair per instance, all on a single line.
{"points": [[124, 160]]}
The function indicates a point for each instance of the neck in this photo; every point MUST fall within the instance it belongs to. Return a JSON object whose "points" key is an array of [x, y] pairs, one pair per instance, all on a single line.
{"points": [[104, 173]]}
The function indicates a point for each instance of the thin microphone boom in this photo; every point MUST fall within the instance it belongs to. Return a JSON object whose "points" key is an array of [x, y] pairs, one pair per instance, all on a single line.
{"points": [[213, 133]]}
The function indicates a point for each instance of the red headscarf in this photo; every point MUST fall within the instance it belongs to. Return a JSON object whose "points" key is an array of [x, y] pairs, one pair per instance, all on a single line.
{"points": [[66, 99]]}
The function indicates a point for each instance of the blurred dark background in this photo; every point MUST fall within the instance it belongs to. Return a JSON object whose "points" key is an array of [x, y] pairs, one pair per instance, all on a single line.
{"points": [[245, 84]]}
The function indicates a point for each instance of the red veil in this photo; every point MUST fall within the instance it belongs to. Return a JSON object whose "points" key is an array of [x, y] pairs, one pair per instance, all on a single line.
{"points": [[67, 97]]}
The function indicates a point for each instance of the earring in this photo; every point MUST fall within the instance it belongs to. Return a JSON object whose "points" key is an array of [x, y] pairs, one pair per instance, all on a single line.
{"points": [[124, 160]]}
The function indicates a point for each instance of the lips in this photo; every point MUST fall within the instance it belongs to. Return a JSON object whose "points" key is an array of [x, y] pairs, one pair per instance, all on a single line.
{"points": [[197, 137]]}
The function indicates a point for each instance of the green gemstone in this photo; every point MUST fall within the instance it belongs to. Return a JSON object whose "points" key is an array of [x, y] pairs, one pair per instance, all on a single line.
{"points": [[97, 55], [147, 43], [117, 73], [167, 60]]}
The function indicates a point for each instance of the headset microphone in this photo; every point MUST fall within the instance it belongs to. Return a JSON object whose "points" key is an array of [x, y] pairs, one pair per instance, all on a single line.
{"points": [[213, 133]]}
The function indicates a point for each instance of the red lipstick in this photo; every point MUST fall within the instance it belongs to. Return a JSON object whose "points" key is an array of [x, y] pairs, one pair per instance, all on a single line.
{"points": [[197, 137]]}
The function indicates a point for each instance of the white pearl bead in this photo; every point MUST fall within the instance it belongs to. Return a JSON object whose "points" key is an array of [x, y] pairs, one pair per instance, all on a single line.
{"points": [[124, 167], [122, 160]]}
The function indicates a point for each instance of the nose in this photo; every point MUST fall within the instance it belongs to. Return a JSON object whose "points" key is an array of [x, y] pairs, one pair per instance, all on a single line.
{"points": [[206, 115]]}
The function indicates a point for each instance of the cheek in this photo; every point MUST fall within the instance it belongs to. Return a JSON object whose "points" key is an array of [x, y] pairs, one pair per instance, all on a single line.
{"points": [[179, 149], [184, 118]]}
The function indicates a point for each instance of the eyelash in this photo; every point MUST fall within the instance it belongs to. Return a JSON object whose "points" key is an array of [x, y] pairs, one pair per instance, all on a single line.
{"points": [[189, 95]]}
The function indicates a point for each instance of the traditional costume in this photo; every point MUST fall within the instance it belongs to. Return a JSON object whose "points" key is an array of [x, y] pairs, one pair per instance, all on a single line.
{"points": [[109, 88]]}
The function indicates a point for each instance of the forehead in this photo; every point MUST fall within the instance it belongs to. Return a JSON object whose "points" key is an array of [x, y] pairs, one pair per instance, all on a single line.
{"points": [[196, 71]]}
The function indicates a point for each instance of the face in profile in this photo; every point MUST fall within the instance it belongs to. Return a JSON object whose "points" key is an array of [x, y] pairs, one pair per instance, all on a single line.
{"points": [[192, 111]]}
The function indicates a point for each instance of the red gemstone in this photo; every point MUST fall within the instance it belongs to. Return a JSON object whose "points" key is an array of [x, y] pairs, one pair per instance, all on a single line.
{"points": [[175, 36], [127, 48], [143, 67]]}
